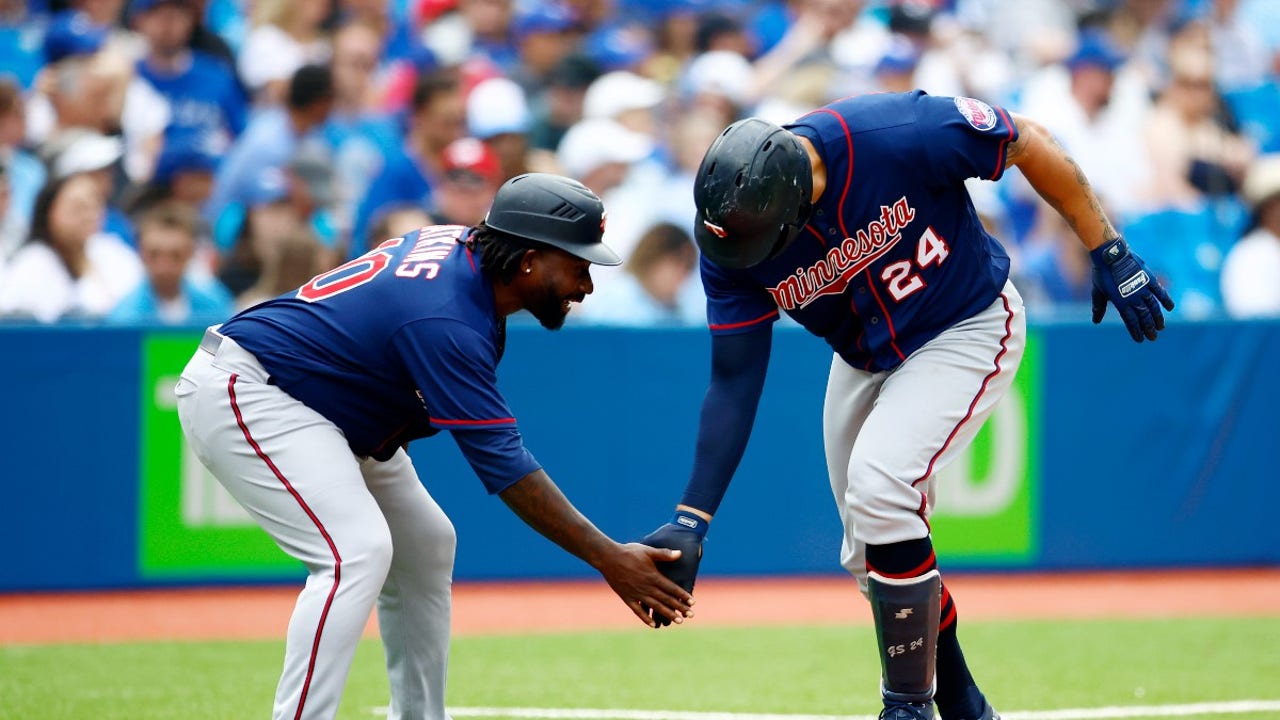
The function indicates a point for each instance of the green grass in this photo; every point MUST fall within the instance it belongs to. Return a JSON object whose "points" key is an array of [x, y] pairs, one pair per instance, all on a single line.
{"points": [[827, 670]]}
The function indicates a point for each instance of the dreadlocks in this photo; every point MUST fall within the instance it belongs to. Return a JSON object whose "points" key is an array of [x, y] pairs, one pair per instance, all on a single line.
{"points": [[500, 253]]}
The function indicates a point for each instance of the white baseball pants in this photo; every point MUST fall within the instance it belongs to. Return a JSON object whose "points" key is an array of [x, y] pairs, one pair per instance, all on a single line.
{"points": [[367, 532], [887, 434]]}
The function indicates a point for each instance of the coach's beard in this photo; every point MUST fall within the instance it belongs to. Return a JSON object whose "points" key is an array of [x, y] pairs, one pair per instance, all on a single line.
{"points": [[552, 308]]}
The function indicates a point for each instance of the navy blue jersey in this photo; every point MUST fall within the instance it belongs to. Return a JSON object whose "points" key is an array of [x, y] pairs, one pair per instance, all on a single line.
{"points": [[398, 344], [894, 252]]}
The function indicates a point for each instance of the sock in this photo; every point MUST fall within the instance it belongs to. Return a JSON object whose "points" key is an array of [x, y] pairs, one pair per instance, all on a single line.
{"points": [[957, 694]]}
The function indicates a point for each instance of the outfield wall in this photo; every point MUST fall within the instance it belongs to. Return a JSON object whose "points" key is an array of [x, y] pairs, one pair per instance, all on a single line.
{"points": [[1108, 454]]}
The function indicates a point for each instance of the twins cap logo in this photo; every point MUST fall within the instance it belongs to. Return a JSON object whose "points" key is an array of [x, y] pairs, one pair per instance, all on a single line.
{"points": [[603, 217], [715, 229], [979, 114]]}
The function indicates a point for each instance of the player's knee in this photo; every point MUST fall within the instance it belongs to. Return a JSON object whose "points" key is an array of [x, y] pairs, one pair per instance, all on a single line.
{"points": [[875, 496], [368, 555], [438, 544]]}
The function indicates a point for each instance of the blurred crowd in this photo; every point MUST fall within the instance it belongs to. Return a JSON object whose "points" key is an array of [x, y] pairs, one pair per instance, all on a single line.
{"points": [[172, 161]]}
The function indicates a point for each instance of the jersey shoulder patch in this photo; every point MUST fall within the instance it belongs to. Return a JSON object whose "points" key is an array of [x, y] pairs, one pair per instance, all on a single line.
{"points": [[979, 114]]}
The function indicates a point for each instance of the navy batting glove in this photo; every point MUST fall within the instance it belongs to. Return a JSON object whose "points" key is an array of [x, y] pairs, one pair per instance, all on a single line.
{"points": [[1120, 276], [685, 533]]}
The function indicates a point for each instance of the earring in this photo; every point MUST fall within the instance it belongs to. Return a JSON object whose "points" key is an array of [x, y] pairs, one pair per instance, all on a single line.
{"points": [[528, 270]]}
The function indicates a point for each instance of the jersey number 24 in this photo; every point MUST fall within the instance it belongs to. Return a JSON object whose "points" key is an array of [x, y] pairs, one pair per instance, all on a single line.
{"points": [[899, 277]]}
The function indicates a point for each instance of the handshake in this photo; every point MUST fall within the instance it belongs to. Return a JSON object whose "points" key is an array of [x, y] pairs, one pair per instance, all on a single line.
{"points": [[685, 532]]}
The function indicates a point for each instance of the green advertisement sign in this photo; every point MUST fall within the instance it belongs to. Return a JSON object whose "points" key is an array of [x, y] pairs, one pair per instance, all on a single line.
{"points": [[188, 525], [985, 511]]}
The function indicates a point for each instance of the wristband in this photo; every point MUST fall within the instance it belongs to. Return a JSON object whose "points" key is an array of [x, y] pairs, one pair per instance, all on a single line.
{"points": [[691, 522]]}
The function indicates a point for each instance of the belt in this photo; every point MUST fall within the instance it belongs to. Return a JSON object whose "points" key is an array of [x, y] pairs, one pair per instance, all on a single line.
{"points": [[211, 341]]}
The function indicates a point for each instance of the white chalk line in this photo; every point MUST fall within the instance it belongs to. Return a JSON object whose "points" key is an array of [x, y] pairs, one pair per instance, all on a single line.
{"points": [[1231, 707]]}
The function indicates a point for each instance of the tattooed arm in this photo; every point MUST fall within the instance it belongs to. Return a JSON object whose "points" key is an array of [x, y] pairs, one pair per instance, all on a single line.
{"points": [[1060, 181], [629, 569]]}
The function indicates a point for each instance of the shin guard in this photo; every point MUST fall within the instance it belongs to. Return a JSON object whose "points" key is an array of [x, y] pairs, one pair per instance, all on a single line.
{"points": [[906, 615]]}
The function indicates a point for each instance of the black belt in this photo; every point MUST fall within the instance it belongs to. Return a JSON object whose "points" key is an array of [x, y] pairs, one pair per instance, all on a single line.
{"points": [[211, 341]]}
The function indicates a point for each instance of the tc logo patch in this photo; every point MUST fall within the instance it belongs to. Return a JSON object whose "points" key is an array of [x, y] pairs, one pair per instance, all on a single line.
{"points": [[979, 114]]}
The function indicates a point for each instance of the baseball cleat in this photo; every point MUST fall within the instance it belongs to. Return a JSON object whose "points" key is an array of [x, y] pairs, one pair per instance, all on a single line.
{"points": [[907, 711]]}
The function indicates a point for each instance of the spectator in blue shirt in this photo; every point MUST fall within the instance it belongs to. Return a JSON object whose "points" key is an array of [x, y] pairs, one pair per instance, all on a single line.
{"points": [[204, 97], [438, 118], [270, 141], [169, 295]]}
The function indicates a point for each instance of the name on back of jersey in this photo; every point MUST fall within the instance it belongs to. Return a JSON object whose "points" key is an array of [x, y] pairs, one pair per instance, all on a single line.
{"points": [[433, 245]]}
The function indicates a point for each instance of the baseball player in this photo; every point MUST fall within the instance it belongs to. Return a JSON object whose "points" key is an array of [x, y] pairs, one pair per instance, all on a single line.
{"points": [[854, 220], [302, 406]]}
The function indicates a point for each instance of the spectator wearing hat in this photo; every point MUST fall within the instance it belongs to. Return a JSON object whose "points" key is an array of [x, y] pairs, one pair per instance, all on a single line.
{"points": [[24, 173], [627, 98], [472, 175], [1251, 272], [96, 156], [183, 173], [270, 214], [561, 104], [270, 141], [498, 115], [438, 117], [545, 32], [170, 294], [285, 36], [621, 45], [1078, 109], [201, 94], [720, 82], [81, 86], [67, 268]]}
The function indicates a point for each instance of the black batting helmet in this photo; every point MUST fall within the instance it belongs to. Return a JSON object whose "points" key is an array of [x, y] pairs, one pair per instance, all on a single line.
{"points": [[555, 211], [753, 193]]}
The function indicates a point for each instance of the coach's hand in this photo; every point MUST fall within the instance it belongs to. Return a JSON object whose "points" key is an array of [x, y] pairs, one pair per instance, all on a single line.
{"points": [[632, 571], [1120, 276], [685, 533]]}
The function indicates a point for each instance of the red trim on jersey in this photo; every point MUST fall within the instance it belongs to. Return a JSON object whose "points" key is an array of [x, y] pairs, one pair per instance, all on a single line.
{"points": [[1004, 348], [337, 559], [471, 260], [848, 182], [1003, 144], [929, 563], [893, 335], [848, 178], [734, 326], [490, 421], [390, 437], [817, 235]]}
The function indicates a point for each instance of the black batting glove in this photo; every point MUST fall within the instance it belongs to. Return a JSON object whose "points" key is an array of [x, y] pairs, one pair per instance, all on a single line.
{"points": [[1121, 278], [685, 533]]}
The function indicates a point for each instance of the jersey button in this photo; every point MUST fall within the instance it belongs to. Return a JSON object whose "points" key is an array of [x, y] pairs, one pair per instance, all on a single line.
{"points": [[831, 231], [820, 213], [862, 291], [874, 319]]}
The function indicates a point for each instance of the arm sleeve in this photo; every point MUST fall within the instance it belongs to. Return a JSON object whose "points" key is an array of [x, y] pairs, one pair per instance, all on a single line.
{"points": [[735, 303], [964, 138], [739, 363]]}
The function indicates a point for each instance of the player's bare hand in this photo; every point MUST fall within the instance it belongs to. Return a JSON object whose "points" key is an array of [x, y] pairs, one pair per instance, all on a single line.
{"points": [[632, 572]]}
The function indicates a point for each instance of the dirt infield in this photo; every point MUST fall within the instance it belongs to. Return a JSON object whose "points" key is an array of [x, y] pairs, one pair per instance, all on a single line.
{"points": [[262, 613]]}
